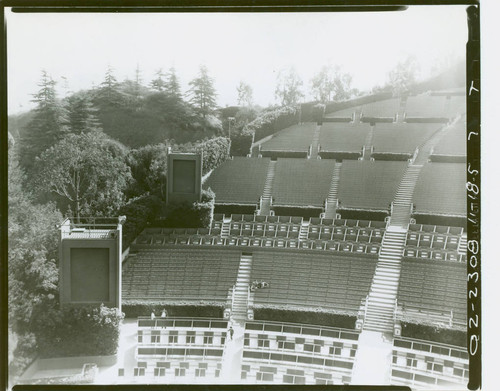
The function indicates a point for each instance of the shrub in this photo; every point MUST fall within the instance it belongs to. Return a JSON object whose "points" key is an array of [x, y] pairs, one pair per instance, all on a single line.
{"points": [[215, 152], [139, 211], [136, 308], [78, 331], [435, 334], [24, 354], [318, 318], [189, 215], [241, 143], [272, 121]]}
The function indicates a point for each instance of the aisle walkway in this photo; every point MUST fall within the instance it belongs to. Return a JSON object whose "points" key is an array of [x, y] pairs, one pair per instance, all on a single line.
{"points": [[373, 359]]}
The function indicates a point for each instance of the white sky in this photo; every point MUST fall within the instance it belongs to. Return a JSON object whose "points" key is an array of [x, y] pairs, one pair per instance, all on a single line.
{"points": [[251, 47]]}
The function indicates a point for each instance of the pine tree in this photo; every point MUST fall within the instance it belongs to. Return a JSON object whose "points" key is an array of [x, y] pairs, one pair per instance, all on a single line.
{"points": [[81, 114], [173, 88], [108, 93], [158, 84], [202, 93], [47, 126]]}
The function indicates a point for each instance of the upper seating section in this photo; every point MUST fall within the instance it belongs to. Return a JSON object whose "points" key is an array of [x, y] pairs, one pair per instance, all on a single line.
{"points": [[369, 184], [381, 109], [401, 137], [454, 141], [324, 280], [426, 106], [440, 189], [344, 113], [437, 286], [301, 182], [239, 180], [180, 273], [296, 138], [339, 137]]}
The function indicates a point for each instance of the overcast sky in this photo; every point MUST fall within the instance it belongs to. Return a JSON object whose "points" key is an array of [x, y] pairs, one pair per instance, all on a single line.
{"points": [[251, 47]]}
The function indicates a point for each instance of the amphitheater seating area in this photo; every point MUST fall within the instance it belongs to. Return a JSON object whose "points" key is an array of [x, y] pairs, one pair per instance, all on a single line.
{"points": [[426, 106], [244, 231], [437, 286], [423, 364], [180, 274], [453, 143], [340, 137], [384, 108], [369, 184], [295, 138], [301, 182], [335, 282], [440, 189], [401, 137], [230, 186]]}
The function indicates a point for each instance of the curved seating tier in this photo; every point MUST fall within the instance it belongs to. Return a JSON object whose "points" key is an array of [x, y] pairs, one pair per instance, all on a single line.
{"points": [[454, 141], [340, 137], [231, 186], [401, 137], [440, 189], [344, 113], [294, 138], [434, 285], [382, 108], [369, 184], [301, 182], [426, 106], [317, 280], [180, 274]]}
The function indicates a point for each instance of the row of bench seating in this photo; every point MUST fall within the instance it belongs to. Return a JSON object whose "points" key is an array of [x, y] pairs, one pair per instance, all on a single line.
{"points": [[439, 255], [440, 229], [267, 242], [435, 241]]}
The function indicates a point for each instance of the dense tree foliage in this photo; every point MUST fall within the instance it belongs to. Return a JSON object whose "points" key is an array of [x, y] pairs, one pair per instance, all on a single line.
{"points": [[288, 90], [245, 94], [202, 92], [86, 172], [403, 76], [48, 124], [330, 84]]}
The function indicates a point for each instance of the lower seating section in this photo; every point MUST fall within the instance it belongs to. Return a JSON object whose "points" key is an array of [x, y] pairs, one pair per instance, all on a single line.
{"points": [[297, 354], [180, 273], [437, 286], [422, 364], [340, 137], [400, 138], [329, 281], [436, 242], [383, 108], [180, 347], [369, 184], [426, 106], [295, 138], [454, 142], [231, 186], [440, 189], [302, 182]]}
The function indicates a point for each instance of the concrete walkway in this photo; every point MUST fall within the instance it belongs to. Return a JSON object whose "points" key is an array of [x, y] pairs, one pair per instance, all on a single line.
{"points": [[233, 353], [373, 359]]}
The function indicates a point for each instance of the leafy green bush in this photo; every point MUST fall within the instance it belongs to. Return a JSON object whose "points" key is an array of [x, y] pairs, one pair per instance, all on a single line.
{"points": [[78, 331], [136, 308], [139, 212], [435, 334], [188, 215], [241, 143], [24, 354], [270, 122], [318, 318]]}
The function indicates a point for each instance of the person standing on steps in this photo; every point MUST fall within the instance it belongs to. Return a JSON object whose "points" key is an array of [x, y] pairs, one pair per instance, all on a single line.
{"points": [[231, 332]]}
